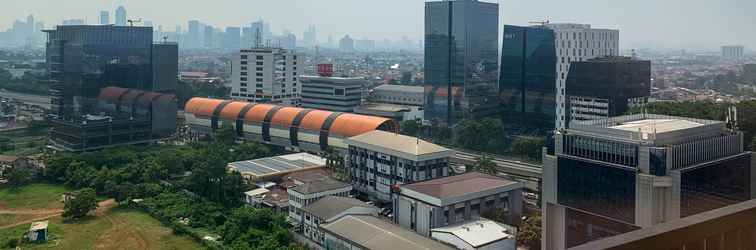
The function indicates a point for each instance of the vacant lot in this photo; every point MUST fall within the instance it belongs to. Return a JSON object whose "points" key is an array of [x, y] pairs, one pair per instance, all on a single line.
{"points": [[110, 228], [32, 197]]}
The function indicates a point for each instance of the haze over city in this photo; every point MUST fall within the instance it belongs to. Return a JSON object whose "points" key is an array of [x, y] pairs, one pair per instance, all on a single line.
{"points": [[689, 24], [378, 124]]}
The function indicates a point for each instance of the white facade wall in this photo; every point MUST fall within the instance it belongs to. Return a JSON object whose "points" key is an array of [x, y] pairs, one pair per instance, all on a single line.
{"points": [[267, 75], [576, 43], [297, 201]]}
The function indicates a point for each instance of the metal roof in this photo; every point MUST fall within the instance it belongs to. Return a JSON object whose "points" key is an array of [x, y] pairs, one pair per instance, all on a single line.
{"points": [[478, 232], [278, 164], [330, 206], [401, 88], [372, 233], [410, 147], [321, 185], [460, 185], [657, 125], [39, 225]]}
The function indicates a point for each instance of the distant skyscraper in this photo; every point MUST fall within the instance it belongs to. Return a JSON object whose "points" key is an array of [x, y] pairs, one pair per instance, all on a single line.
{"points": [[732, 52], [461, 62], [194, 35], [120, 16], [208, 37], [577, 43], [232, 38], [148, 23], [104, 17], [346, 43], [30, 24], [310, 37]]}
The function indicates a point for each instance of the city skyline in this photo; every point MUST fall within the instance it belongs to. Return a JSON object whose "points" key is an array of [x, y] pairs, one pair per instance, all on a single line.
{"points": [[644, 23]]}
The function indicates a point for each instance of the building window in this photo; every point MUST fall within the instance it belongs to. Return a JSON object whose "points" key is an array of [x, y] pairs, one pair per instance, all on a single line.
{"points": [[243, 62], [259, 80], [259, 69], [244, 73], [259, 74], [243, 79], [243, 89], [244, 68], [259, 85], [259, 57], [259, 63], [244, 57]]}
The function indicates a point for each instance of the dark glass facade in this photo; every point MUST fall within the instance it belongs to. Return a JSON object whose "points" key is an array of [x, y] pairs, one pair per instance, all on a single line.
{"points": [[83, 59], [716, 185], [527, 79], [597, 188], [86, 63], [615, 79], [461, 65], [582, 227]]}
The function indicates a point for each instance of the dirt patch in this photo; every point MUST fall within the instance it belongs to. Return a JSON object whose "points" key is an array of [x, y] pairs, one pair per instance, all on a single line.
{"points": [[121, 235]]}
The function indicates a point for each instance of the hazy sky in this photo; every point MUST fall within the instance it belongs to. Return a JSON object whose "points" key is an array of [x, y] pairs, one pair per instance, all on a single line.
{"points": [[642, 23]]}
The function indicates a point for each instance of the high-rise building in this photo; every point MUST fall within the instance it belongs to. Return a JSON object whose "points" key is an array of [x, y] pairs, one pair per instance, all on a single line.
{"points": [[267, 75], [232, 38], [610, 176], [461, 64], [577, 43], [732, 52], [194, 35], [109, 86], [208, 37], [526, 83], [310, 37], [120, 16], [364, 45], [104, 17], [606, 87], [346, 43]]}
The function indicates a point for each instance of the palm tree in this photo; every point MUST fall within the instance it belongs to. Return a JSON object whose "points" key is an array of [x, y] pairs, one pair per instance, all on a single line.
{"points": [[483, 164]]}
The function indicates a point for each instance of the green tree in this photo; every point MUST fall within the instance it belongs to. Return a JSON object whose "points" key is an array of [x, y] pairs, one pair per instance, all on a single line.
{"points": [[80, 204], [411, 128], [335, 163], [484, 165], [125, 192], [529, 234], [18, 176], [225, 135], [529, 148]]}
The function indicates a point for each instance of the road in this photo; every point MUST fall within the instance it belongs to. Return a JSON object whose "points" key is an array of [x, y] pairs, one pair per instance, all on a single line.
{"points": [[40, 100], [510, 167]]}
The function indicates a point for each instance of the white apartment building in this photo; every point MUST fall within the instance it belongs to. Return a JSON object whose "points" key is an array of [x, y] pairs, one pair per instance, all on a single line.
{"points": [[577, 43], [267, 75]]}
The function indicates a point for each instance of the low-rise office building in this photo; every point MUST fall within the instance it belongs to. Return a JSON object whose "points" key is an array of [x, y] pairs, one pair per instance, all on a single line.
{"points": [[329, 209], [423, 206], [393, 111], [310, 192], [398, 94], [379, 160], [338, 94], [369, 232]]}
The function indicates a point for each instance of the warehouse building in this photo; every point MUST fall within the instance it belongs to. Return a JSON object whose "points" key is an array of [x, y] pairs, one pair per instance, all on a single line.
{"points": [[369, 232], [295, 128], [267, 169]]}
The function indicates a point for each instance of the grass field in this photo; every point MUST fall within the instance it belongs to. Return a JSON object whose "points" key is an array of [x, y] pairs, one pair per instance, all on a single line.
{"points": [[111, 228], [34, 196]]}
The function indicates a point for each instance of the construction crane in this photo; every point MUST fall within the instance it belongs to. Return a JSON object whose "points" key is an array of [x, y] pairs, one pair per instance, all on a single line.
{"points": [[132, 21]]}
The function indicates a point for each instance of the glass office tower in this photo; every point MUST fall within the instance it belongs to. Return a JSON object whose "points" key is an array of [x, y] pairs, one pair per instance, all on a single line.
{"points": [[109, 86], [528, 71], [86, 58], [461, 68]]}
